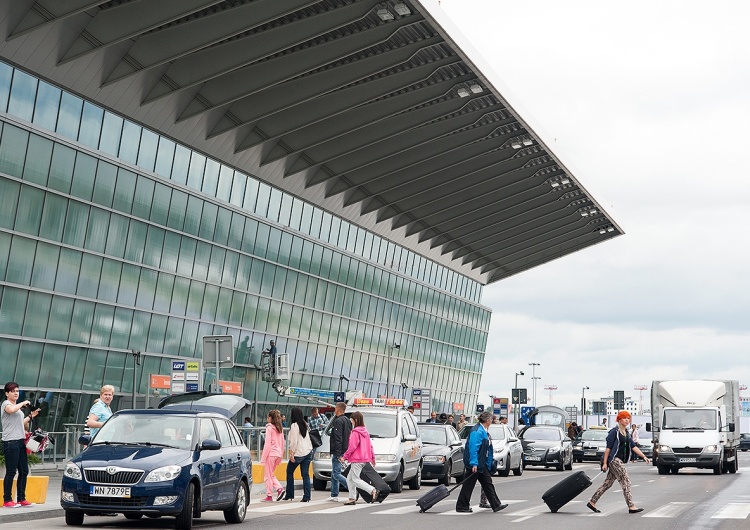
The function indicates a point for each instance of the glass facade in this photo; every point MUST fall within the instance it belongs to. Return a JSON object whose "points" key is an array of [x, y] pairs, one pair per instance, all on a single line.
{"points": [[114, 238]]}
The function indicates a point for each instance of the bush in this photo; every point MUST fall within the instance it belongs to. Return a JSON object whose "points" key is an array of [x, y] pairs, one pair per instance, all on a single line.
{"points": [[34, 458]]}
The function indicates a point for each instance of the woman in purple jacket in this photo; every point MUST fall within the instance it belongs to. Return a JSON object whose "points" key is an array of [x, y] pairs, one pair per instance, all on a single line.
{"points": [[359, 453]]}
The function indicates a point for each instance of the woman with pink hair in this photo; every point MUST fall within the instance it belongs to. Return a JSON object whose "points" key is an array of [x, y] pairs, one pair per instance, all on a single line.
{"points": [[620, 445]]}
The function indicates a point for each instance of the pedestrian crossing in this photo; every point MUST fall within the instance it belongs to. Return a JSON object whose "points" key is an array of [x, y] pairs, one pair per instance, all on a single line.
{"points": [[518, 510]]}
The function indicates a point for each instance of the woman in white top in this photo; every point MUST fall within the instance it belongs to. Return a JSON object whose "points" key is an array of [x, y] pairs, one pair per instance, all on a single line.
{"points": [[14, 445], [300, 454]]}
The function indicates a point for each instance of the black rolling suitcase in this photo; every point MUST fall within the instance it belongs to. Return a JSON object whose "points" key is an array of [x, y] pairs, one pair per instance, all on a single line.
{"points": [[566, 490], [435, 495], [371, 476]]}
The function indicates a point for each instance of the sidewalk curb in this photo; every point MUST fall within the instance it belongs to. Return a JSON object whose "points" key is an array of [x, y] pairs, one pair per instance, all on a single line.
{"points": [[31, 516]]}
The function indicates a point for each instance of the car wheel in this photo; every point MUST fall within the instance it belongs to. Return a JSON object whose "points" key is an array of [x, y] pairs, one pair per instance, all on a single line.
{"points": [[73, 518], [663, 470], [561, 465], [416, 482], [397, 486], [519, 470], [506, 470], [184, 519], [446, 480], [133, 516], [236, 514], [319, 484], [569, 465]]}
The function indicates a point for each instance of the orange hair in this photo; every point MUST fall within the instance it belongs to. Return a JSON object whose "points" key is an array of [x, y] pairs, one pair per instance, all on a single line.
{"points": [[623, 414]]}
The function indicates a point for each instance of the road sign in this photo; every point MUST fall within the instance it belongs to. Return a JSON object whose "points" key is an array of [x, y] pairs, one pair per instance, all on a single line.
{"points": [[519, 396], [480, 408], [525, 411], [220, 346], [619, 399]]}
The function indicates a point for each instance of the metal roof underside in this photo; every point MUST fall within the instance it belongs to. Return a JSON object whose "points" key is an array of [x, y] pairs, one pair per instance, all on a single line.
{"points": [[333, 102]]}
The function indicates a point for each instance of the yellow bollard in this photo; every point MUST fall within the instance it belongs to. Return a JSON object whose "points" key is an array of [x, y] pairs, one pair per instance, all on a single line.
{"points": [[36, 488], [280, 473]]}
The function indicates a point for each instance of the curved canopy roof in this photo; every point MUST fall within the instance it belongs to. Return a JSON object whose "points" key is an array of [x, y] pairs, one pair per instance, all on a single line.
{"points": [[365, 108]]}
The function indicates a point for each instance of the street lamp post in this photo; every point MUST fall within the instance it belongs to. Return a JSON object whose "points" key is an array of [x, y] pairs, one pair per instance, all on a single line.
{"points": [[583, 406], [388, 369], [518, 402], [534, 378]]}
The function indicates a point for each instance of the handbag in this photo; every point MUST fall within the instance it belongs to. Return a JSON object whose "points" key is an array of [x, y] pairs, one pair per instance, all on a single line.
{"points": [[315, 438]]}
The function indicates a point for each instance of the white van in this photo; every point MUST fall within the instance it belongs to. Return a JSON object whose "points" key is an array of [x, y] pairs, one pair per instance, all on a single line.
{"points": [[397, 444]]}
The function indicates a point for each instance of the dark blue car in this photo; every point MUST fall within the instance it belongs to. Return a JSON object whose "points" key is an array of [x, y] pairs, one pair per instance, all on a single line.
{"points": [[175, 461]]}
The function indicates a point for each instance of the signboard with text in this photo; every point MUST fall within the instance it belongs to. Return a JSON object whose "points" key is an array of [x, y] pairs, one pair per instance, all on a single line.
{"points": [[421, 398], [186, 376]]}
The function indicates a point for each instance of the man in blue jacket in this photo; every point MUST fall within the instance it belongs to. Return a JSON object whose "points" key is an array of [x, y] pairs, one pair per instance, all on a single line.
{"points": [[478, 459]]}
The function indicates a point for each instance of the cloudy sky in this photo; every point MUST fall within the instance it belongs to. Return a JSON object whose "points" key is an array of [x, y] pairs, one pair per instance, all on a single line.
{"points": [[648, 104]]}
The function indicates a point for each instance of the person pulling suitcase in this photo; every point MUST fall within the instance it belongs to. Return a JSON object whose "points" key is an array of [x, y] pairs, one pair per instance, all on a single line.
{"points": [[359, 453], [478, 459]]}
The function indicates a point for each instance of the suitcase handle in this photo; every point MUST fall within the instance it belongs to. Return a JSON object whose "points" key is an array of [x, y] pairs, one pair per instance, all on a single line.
{"points": [[464, 480]]}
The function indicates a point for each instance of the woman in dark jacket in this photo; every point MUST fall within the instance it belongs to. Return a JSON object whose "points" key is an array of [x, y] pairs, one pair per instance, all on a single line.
{"points": [[616, 455]]}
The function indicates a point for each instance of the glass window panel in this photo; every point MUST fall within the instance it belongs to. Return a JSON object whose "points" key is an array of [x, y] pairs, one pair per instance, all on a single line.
{"points": [[61, 312], [146, 289], [173, 334], [128, 284], [91, 125], [13, 150], [261, 240], [162, 196], [224, 185], [274, 204], [231, 262], [237, 306], [335, 229], [223, 306], [216, 264], [22, 95], [251, 201], [202, 259], [179, 295], [177, 210], [306, 222], [104, 185], [181, 164], [251, 307], [301, 289], [195, 299], [211, 177], [343, 267], [141, 322], [68, 271], [91, 267], [195, 170], [189, 336], [101, 327], [157, 333], [11, 319], [315, 222], [248, 238], [110, 280], [238, 189], [131, 138], [165, 157], [266, 286], [296, 217], [236, 230], [84, 176], [278, 283], [208, 220], [193, 215], [154, 246], [38, 161], [44, 266], [61, 170], [122, 324], [124, 190], [285, 247], [286, 209], [6, 75], [135, 246], [47, 105], [261, 314], [70, 115], [274, 241], [80, 326], [170, 251], [147, 150], [222, 226], [9, 192], [27, 372], [210, 301], [325, 226], [142, 197], [29, 215], [97, 230], [111, 133]]}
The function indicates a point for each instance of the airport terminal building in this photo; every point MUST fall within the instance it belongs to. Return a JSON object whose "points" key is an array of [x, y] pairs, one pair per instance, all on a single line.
{"points": [[336, 176]]}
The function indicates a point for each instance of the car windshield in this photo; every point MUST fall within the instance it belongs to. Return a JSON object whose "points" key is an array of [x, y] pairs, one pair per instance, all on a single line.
{"points": [[591, 436], [380, 425], [159, 430], [431, 435], [497, 432], [541, 434]]}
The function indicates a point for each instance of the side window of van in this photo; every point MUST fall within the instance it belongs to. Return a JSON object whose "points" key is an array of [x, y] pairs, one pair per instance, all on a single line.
{"points": [[404, 427], [411, 426]]}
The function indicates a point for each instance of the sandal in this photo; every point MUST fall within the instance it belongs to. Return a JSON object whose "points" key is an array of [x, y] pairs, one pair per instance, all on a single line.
{"points": [[350, 502]]}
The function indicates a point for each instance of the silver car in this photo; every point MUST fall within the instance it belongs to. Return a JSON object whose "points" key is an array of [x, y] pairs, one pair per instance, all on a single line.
{"points": [[398, 448], [508, 450]]}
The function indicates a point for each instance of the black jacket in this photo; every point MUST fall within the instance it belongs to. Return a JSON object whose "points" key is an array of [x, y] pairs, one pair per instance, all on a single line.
{"points": [[339, 430]]}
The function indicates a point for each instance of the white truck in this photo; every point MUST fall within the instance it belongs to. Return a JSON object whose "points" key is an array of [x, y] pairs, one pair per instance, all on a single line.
{"points": [[693, 424]]}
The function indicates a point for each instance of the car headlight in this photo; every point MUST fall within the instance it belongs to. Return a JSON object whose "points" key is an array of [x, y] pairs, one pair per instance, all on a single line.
{"points": [[665, 449], [434, 458], [322, 456], [555, 449], [163, 473], [711, 449], [385, 458], [73, 471]]}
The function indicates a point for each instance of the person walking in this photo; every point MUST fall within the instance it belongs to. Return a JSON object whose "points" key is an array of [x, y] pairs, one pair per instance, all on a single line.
{"points": [[620, 445], [273, 451], [100, 411], [339, 430], [359, 453], [317, 424], [300, 454], [478, 458], [14, 446]]}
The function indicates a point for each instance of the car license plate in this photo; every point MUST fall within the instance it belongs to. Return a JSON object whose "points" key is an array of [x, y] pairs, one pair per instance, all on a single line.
{"points": [[687, 460], [110, 491], [534, 458], [589, 453]]}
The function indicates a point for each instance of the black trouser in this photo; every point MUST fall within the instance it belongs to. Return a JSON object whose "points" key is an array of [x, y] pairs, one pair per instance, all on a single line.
{"points": [[16, 459], [485, 480]]}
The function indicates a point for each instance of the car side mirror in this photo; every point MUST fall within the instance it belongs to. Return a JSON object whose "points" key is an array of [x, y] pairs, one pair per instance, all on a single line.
{"points": [[648, 427], [210, 445], [410, 437], [84, 439], [513, 439]]}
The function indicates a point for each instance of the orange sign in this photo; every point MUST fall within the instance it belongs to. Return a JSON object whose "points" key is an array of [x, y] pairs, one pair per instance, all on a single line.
{"points": [[458, 406], [231, 387], [160, 381], [379, 402]]}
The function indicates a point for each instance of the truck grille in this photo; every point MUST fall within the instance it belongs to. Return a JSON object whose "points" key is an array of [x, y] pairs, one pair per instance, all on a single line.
{"points": [[688, 450]]}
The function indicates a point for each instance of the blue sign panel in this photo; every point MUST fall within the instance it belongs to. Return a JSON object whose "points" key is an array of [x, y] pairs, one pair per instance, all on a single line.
{"points": [[339, 396], [311, 392], [191, 387], [525, 411], [178, 365]]}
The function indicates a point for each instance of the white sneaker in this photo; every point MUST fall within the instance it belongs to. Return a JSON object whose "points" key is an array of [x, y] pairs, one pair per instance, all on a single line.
{"points": [[332, 499]]}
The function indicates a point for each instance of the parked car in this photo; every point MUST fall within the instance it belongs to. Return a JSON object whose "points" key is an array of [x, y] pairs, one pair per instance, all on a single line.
{"points": [[397, 445], [548, 446], [175, 461], [590, 445], [744, 441], [442, 452], [508, 450], [645, 444], [464, 432]]}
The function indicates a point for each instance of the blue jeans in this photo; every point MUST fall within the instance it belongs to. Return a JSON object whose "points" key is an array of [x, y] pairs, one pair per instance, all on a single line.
{"points": [[304, 467], [336, 476], [16, 459]]}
